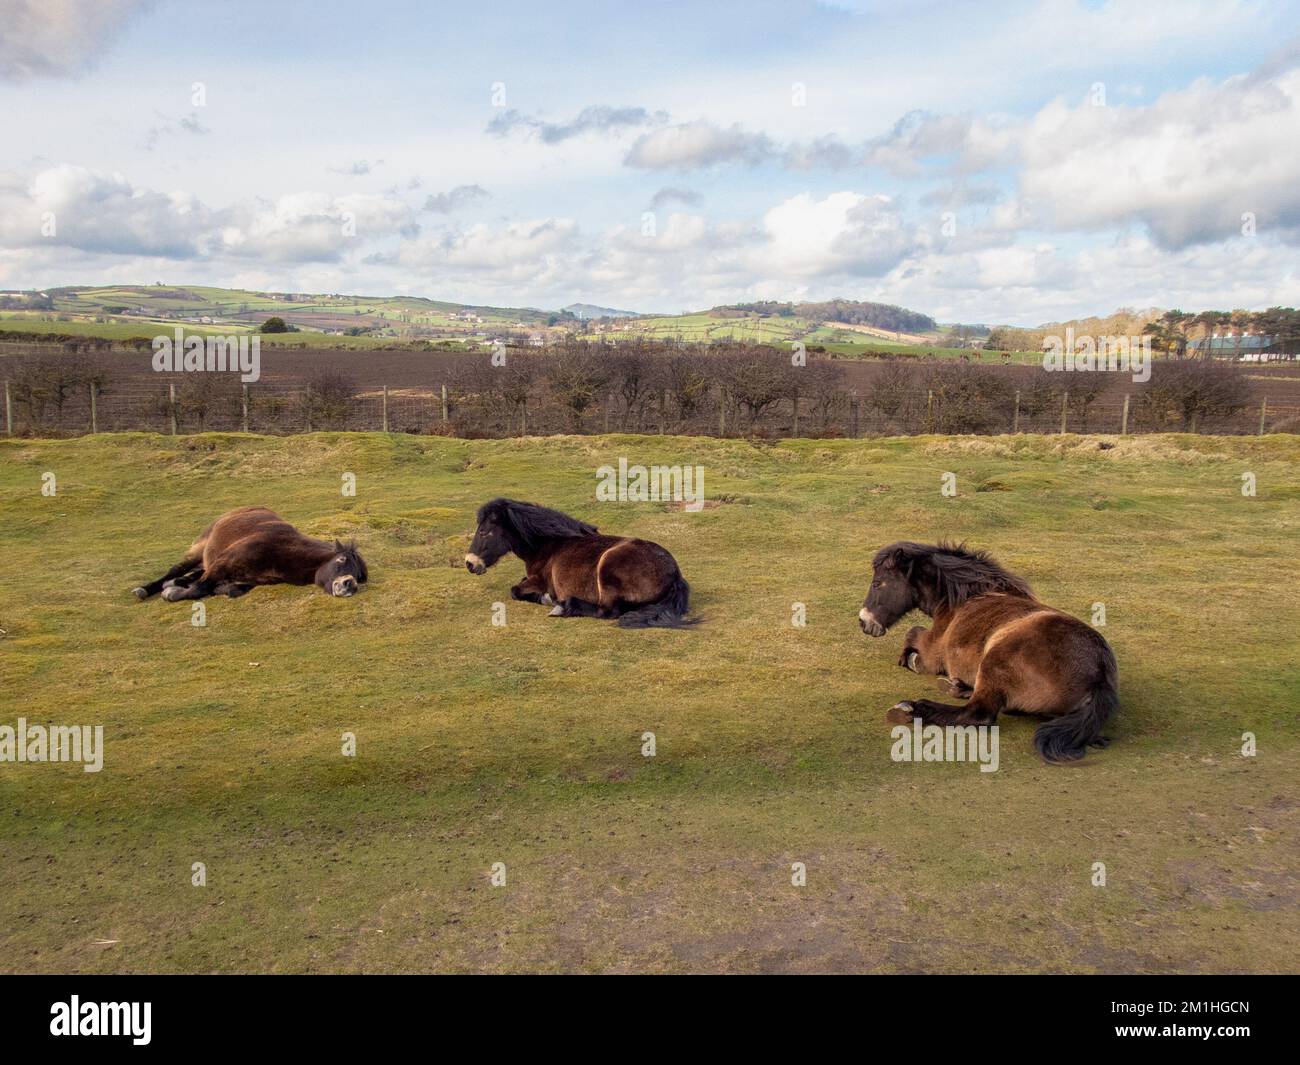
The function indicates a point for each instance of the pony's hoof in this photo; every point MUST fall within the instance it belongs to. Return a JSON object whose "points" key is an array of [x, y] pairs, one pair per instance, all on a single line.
{"points": [[900, 713], [140, 593], [911, 662], [173, 593], [556, 612]]}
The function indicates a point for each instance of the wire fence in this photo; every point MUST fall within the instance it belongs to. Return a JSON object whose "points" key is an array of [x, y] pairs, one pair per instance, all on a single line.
{"points": [[180, 406]]}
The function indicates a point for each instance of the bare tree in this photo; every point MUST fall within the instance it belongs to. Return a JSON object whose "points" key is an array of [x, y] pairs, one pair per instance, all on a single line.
{"points": [[968, 399], [42, 385], [1184, 393], [325, 401], [576, 374], [756, 378]]}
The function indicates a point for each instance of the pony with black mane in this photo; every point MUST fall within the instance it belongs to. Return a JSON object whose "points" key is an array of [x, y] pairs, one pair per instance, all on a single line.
{"points": [[573, 568], [251, 546], [994, 644]]}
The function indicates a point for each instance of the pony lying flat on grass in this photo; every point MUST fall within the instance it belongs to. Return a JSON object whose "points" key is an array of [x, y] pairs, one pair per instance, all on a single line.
{"points": [[251, 546], [578, 572], [996, 645]]}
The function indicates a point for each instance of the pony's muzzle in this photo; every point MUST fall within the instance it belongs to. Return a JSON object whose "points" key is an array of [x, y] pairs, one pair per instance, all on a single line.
{"points": [[344, 586], [475, 564], [869, 624]]}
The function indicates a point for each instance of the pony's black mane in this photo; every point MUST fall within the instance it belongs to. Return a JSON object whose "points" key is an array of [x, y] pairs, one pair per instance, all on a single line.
{"points": [[952, 573], [528, 524]]}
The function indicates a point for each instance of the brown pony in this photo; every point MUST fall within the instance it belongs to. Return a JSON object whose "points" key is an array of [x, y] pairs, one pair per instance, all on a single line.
{"points": [[995, 645], [578, 572], [251, 546]]}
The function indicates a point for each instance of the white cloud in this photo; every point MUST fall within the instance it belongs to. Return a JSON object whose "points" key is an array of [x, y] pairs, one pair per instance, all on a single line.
{"points": [[1188, 166], [71, 206], [692, 145], [76, 207], [57, 38], [844, 233]]}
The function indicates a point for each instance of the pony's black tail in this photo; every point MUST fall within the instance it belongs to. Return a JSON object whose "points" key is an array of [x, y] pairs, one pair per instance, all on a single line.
{"points": [[1067, 738], [667, 612]]}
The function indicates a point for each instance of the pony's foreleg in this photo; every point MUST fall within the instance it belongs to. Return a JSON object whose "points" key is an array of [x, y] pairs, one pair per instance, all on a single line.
{"points": [[982, 709], [579, 608], [916, 654], [200, 589], [182, 568], [531, 590]]}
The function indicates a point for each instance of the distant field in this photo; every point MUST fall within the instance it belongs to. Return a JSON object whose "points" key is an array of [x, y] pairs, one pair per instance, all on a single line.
{"points": [[119, 330], [521, 744], [135, 310]]}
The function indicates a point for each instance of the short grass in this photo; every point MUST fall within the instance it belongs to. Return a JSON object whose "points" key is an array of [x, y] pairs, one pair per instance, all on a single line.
{"points": [[521, 744]]}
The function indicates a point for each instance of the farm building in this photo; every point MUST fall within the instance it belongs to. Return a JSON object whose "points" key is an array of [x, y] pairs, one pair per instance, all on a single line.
{"points": [[1245, 347]]}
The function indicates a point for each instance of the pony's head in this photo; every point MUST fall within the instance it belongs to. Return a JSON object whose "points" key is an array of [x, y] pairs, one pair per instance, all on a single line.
{"points": [[344, 572], [506, 525], [926, 577]]}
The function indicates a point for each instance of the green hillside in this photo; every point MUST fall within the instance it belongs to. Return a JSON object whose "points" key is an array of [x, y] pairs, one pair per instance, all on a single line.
{"points": [[123, 312]]}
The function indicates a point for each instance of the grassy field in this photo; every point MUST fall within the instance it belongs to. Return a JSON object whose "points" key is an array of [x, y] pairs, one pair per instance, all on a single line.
{"points": [[128, 311], [703, 328], [321, 318], [521, 743]]}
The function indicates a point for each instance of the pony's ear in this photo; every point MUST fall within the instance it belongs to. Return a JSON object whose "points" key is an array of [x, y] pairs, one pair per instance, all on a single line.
{"points": [[900, 558], [338, 545]]}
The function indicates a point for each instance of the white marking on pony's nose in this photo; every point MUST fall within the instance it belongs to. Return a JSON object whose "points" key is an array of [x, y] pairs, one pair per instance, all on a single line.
{"points": [[344, 586], [865, 615], [473, 562]]}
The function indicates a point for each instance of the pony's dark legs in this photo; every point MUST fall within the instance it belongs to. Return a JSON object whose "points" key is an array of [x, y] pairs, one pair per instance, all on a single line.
{"points": [[200, 589], [580, 608], [983, 709], [529, 591], [175, 574]]}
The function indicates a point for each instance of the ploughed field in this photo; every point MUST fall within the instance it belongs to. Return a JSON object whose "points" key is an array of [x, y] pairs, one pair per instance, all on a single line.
{"points": [[522, 743]]}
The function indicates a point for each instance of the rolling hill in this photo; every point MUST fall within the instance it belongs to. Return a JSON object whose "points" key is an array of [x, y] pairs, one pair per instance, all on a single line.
{"points": [[123, 312]]}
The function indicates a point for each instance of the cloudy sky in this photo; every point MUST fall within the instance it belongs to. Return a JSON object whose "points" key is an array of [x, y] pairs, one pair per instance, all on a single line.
{"points": [[1002, 162]]}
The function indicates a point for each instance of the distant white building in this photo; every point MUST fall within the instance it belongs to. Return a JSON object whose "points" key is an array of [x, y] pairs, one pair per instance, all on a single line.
{"points": [[536, 341]]}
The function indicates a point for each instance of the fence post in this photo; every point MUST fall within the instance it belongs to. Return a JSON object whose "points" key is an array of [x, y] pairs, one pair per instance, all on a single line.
{"points": [[1263, 414], [1123, 422], [244, 404], [9, 410], [796, 413], [854, 410], [929, 410], [385, 408], [663, 412], [94, 413], [1065, 409], [444, 404], [722, 417], [1015, 415], [171, 404], [609, 402]]}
